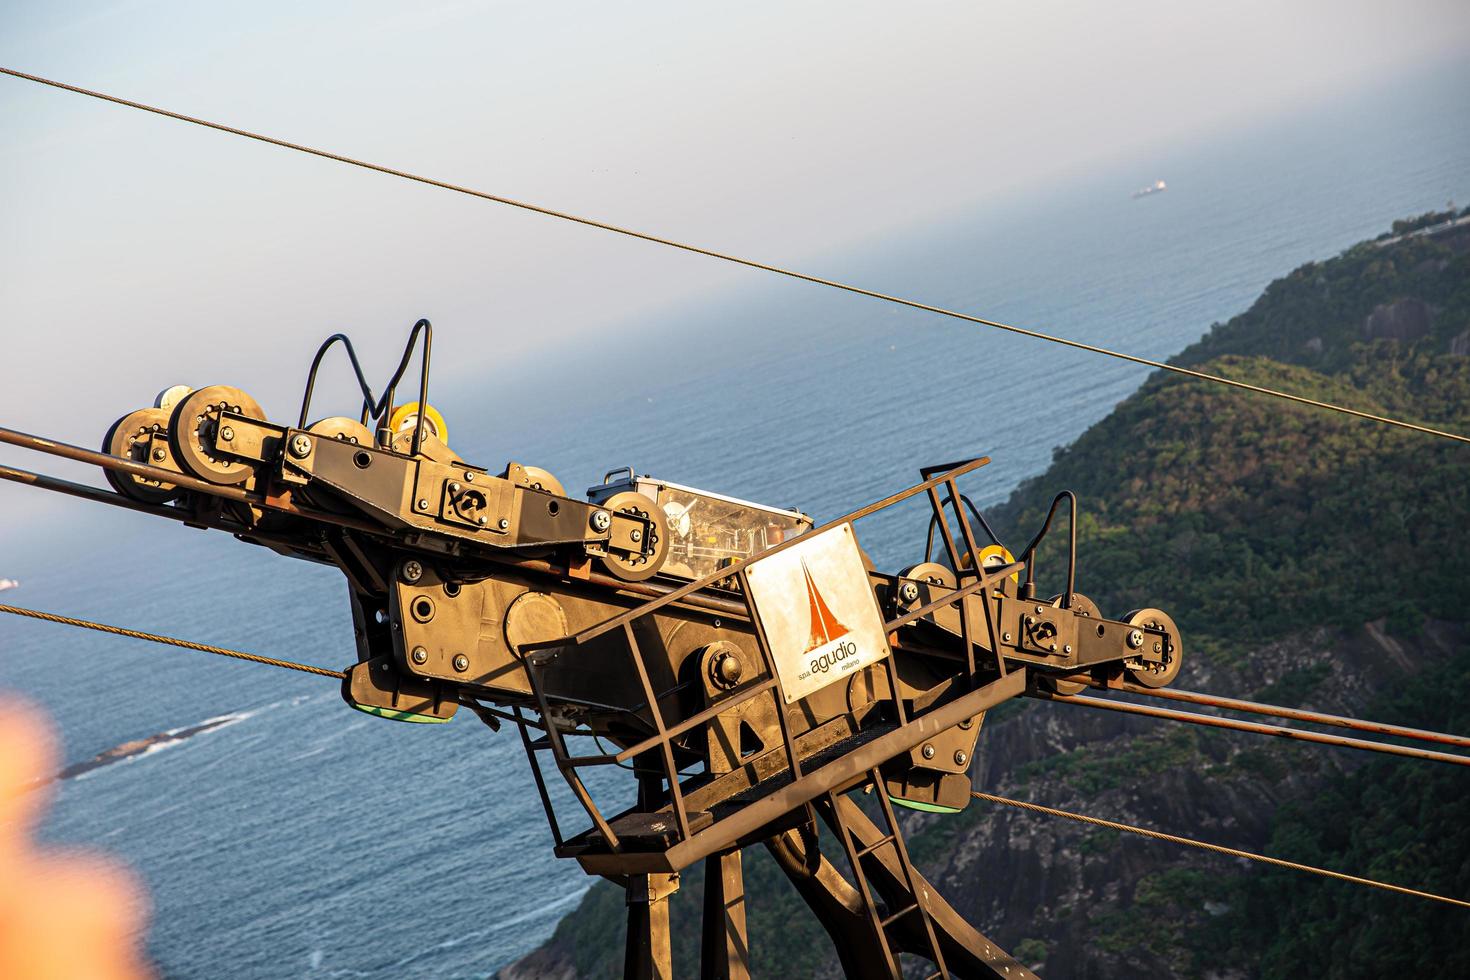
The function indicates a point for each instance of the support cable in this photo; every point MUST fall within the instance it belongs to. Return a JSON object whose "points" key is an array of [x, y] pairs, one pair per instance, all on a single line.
{"points": [[726, 257], [490, 715], [1297, 714], [254, 658], [1256, 728], [1215, 848]]}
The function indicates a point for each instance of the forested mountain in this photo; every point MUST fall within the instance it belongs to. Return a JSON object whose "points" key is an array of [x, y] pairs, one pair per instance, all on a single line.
{"points": [[1311, 559]]}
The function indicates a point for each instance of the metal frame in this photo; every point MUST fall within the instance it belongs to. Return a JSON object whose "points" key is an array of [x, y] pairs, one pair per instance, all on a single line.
{"points": [[844, 771]]}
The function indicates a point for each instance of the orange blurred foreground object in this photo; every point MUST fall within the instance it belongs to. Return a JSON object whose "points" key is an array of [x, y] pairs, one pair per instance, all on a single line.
{"points": [[63, 914]]}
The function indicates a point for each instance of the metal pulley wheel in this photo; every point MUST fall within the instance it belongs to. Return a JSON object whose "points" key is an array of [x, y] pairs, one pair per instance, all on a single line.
{"points": [[633, 567], [1169, 647], [142, 437], [196, 433], [171, 396], [343, 429], [543, 480], [931, 572], [430, 447], [1081, 605], [534, 477]]}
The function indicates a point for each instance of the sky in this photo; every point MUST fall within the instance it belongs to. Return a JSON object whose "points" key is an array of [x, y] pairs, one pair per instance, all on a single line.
{"points": [[136, 252]]}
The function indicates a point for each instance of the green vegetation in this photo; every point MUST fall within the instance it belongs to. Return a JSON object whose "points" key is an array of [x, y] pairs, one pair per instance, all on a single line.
{"points": [[1425, 220], [1402, 822], [1288, 518], [1285, 516], [1030, 951], [1295, 686], [1094, 771]]}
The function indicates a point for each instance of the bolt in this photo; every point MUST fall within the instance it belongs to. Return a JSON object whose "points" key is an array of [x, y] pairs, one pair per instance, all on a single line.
{"points": [[300, 445], [226, 433], [636, 535], [461, 662], [420, 655], [159, 455], [1067, 648], [482, 520], [504, 523], [601, 520], [1158, 649], [1006, 637], [928, 751], [469, 476], [1135, 639], [454, 488], [1038, 610], [1052, 648], [1030, 620], [725, 670], [960, 758], [908, 592], [412, 571], [423, 503]]}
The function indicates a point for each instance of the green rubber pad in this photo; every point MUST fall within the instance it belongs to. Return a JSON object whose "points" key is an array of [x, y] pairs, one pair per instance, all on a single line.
{"points": [[925, 807], [409, 716]]}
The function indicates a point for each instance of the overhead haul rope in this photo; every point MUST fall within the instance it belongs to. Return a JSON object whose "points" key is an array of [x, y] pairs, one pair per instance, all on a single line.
{"points": [[254, 658], [749, 263], [1215, 848]]}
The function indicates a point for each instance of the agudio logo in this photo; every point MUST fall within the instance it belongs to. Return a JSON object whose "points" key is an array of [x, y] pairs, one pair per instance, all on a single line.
{"points": [[829, 645]]}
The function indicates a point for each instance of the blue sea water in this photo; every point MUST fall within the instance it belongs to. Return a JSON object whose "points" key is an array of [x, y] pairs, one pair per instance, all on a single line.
{"points": [[308, 840]]}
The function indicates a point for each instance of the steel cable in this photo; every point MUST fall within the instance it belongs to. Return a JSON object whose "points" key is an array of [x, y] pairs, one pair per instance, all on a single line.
{"points": [[1214, 848], [737, 260], [254, 658]]}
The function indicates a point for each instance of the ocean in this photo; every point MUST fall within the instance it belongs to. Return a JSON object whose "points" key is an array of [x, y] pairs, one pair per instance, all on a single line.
{"points": [[305, 839]]}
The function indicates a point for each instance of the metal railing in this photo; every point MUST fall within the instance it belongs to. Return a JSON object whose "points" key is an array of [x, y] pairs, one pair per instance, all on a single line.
{"points": [[533, 659]]}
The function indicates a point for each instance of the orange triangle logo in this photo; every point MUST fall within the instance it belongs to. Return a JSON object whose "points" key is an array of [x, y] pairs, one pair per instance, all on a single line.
{"points": [[825, 627]]}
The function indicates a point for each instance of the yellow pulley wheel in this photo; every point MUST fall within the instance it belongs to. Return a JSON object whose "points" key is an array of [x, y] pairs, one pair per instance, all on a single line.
{"points": [[998, 554], [406, 416]]}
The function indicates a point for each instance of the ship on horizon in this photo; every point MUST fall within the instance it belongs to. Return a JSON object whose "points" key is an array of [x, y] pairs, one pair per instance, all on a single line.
{"points": [[1157, 187]]}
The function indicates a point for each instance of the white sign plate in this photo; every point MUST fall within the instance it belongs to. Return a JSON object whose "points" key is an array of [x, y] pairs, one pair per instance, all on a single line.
{"points": [[818, 611]]}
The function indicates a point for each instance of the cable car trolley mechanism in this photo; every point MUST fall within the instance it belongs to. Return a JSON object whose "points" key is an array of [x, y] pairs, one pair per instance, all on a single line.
{"points": [[752, 670]]}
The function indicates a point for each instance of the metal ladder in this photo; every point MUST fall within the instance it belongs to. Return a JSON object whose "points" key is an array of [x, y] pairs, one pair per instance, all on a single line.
{"points": [[917, 905]]}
